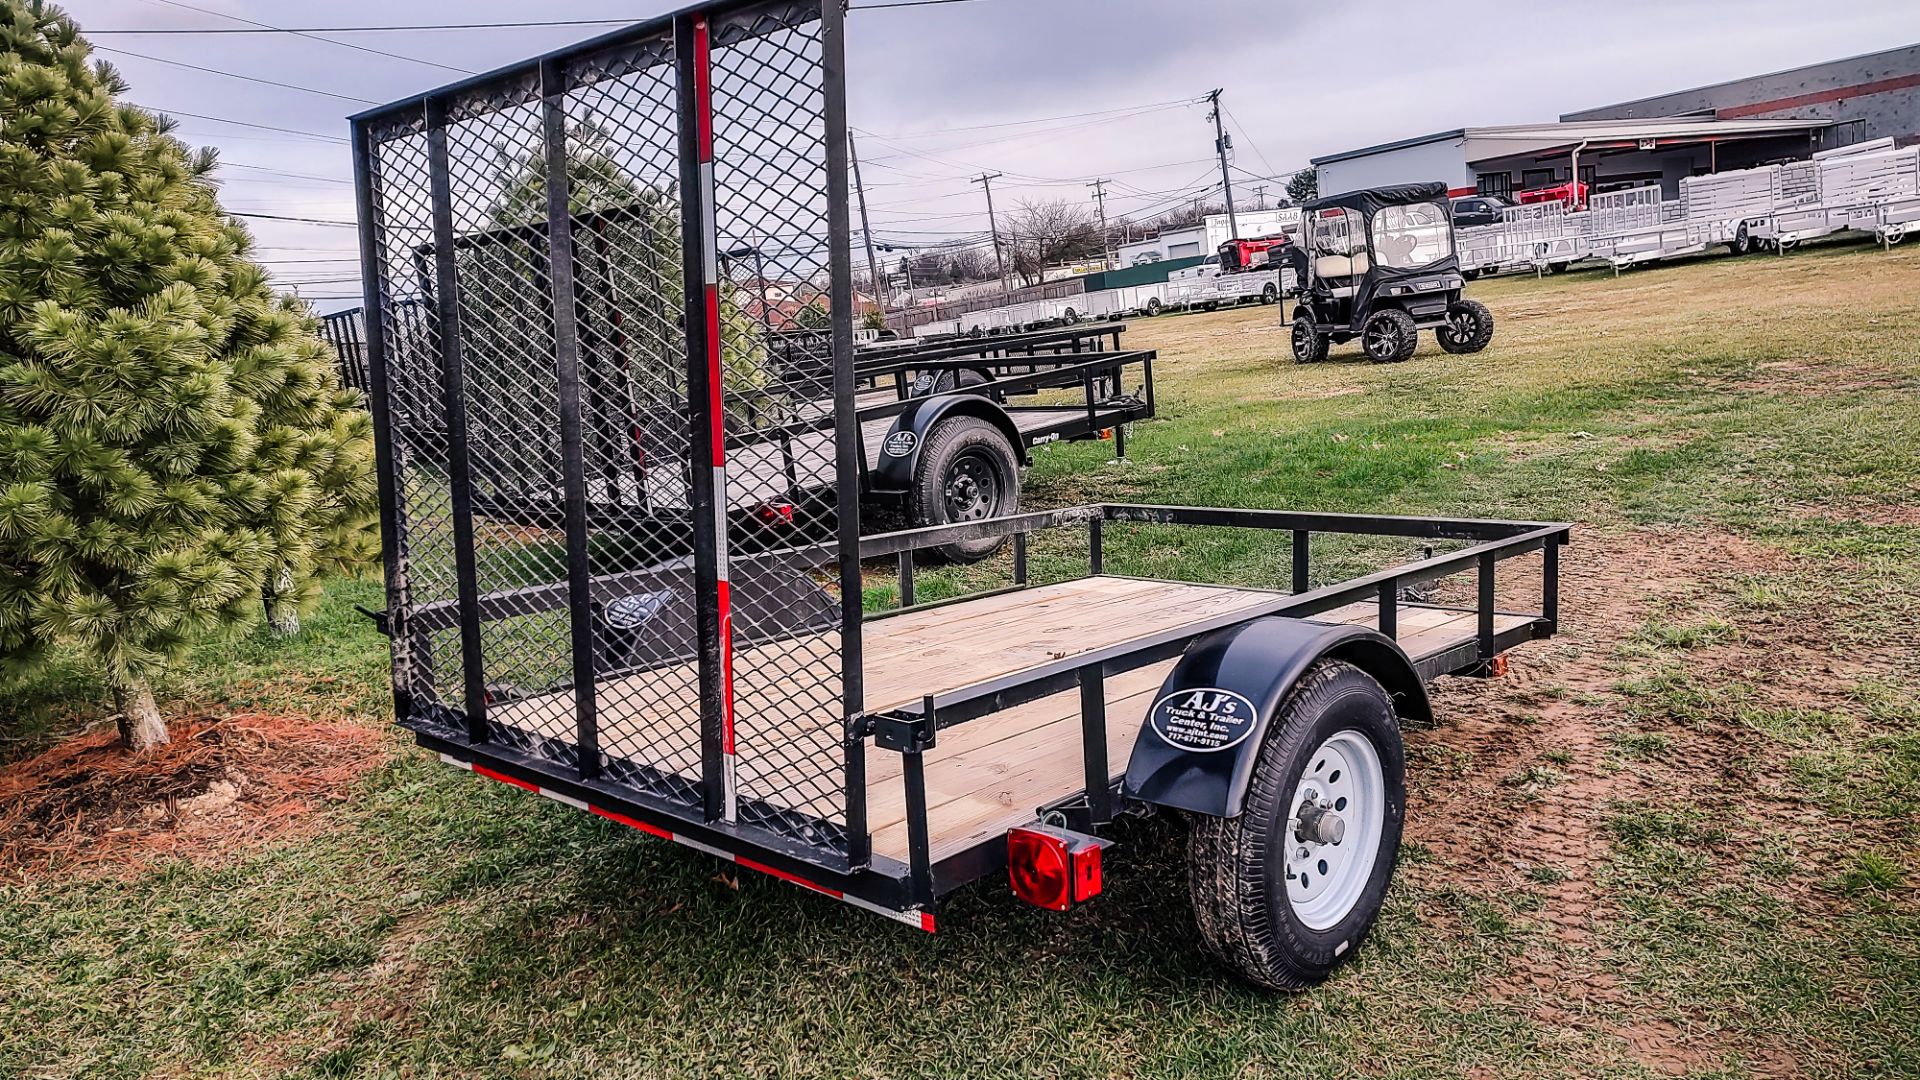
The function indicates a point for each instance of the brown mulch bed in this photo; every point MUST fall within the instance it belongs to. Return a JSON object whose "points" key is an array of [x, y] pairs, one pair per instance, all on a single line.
{"points": [[222, 782]]}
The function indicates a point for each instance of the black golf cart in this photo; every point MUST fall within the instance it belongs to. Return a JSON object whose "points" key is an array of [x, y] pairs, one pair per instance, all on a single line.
{"points": [[1381, 268]]}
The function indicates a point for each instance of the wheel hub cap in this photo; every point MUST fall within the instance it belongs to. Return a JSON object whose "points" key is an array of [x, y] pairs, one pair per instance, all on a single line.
{"points": [[1333, 837], [971, 491]]}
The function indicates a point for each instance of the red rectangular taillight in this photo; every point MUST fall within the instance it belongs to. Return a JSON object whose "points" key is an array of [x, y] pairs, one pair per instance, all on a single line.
{"points": [[1053, 868]]}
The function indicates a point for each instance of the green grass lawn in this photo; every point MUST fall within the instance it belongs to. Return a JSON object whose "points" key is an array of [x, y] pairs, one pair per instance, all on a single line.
{"points": [[1681, 838]]}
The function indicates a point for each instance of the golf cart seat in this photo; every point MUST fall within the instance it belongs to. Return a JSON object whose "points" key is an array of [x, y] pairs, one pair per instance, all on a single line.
{"points": [[1349, 268]]}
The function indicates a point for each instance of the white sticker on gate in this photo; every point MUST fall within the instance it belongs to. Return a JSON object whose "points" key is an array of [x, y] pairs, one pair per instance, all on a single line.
{"points": [[1203, 719]]}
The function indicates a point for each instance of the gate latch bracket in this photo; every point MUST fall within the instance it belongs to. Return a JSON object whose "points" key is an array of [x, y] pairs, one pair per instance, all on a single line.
{"points": [[904, 733]]}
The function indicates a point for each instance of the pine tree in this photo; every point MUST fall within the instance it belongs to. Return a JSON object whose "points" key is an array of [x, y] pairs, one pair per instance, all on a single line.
{"points": [[175, 444]]}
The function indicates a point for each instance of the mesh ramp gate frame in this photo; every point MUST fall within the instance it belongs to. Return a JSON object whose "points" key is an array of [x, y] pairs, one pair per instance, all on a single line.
{"points": [[596, 238]]}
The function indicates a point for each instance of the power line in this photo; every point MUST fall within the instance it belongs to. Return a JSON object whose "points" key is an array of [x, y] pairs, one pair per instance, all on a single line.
{"points": [[279, 172], [315, 37], [1036, 120], [235, 75], [302, 220], [1249, 137], [903, 4], [166, 30], [243, 123]]}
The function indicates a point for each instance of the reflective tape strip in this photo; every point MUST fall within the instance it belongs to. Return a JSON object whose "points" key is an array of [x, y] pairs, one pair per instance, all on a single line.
{"points": [[920, 919], [709, 226]]}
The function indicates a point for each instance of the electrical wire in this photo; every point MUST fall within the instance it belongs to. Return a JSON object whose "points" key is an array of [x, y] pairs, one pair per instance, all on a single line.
{"points": [[1235, 121], [537, 23], [301, 220], [279, 172], [243, 123], [316, 37], [235, 75]]}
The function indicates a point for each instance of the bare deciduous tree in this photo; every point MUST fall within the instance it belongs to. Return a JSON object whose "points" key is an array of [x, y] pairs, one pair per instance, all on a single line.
{"points": [[1045, 233]]}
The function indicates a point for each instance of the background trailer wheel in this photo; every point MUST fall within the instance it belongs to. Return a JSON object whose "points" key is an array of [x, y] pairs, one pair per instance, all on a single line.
{"points": [[967, 471], [1284, 892]]}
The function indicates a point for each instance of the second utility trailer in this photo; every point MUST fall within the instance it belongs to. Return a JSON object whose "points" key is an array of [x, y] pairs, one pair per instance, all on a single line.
{"points": [[772, 705]]}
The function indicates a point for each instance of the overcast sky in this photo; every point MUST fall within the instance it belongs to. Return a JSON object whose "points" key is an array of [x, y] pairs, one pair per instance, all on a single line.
{"points": [[1300, 80]]}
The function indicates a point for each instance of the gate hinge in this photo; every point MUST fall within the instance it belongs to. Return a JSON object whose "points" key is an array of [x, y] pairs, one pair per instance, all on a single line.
{"points": [[904, 733], [380, 620]]}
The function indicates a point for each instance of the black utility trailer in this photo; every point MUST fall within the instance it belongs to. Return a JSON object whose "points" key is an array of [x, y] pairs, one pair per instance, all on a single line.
{"points": [[738, 696]]}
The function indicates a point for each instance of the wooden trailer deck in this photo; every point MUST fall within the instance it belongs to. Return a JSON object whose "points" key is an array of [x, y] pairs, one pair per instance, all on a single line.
{"points": [[985, 776]]}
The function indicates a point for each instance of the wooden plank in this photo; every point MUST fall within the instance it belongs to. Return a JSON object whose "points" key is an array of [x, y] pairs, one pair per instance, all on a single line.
{"points": [[983, 777]]}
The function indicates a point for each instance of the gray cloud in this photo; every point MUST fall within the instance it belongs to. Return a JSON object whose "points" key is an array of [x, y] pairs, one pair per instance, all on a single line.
{"points": [[1300, 80]]}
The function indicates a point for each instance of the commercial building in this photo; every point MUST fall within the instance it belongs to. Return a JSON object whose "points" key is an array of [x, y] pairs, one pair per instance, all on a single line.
{"points": [[1731, 125]]}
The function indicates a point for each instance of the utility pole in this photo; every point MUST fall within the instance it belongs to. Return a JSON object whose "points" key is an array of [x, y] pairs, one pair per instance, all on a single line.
{"points": [[1260, 192], [880, 289], [1221, 146], [1099, 187], [986, 180]]}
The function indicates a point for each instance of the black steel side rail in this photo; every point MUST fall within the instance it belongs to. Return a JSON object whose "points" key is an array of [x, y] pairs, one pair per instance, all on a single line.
{"points": [[1004, 349], [1509, 539]]}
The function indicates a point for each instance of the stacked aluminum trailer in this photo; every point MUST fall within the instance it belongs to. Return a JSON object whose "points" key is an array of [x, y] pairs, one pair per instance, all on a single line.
{"points": [[1207, 289], [1872, 188]]}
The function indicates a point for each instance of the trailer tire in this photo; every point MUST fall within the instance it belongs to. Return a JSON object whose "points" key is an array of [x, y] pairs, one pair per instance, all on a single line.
{"points": [[1309, 345], [966, 471], [1335, 737], [1152, 308], [1469, 328], [1270, 294], [1742, 243], [1389, 336]]}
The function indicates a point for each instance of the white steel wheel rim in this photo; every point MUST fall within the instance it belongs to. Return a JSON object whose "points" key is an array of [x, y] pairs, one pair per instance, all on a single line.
{"points": [[1342, 780]]}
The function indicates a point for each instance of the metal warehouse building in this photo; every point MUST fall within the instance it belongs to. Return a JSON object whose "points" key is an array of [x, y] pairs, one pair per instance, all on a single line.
{"points": [[1732, 125]]}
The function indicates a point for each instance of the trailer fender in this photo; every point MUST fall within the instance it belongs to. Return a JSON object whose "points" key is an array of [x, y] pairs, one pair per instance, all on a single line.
{"points": [[900, 450], [1197, 749]]}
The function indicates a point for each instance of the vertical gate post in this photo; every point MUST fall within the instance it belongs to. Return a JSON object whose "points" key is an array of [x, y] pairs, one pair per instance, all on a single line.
{"points": [[707, 489], [386, 466], [566, 357], [454, 393], [850, 457]]}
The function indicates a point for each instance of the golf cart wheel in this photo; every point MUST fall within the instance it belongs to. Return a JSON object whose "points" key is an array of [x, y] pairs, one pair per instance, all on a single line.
{"points": [[1468, 329], [1309, 345], [1152, 308], [967, 472], [1270, 294], [1284, 892], [1389, 336]]}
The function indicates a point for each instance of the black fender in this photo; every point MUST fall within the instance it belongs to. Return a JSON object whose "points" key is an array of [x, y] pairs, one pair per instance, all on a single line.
{"points": [[900, 450], [1218, 700]]}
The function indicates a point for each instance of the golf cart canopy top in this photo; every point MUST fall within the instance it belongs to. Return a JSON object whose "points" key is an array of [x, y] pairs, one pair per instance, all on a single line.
{"points": [[1369, 200]]}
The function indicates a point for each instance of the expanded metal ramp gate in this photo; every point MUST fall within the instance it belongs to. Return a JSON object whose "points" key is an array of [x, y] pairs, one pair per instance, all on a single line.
{"points": [[589, 273]]}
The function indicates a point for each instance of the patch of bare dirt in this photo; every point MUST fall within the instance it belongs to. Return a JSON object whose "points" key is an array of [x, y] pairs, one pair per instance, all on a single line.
{"points": [[1511, 792], [90, 804], [1814, 378]]}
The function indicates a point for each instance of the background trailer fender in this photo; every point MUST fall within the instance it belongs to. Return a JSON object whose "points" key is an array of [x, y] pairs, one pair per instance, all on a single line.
{"points": [[900, 450], [1197, 749]]}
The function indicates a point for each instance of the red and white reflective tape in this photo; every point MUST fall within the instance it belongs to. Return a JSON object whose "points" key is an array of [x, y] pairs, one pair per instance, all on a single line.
{"points": [[921, 919], [716, 398]]}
